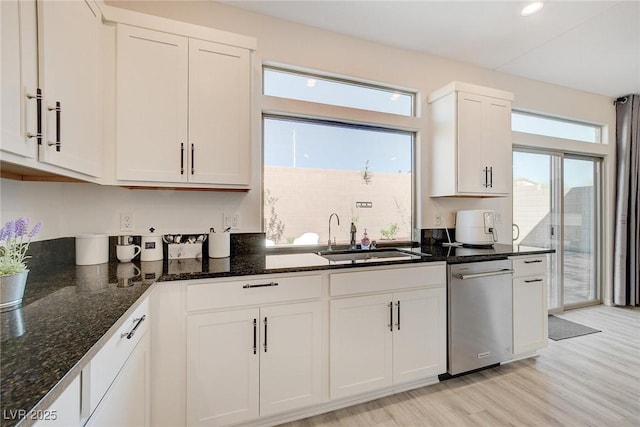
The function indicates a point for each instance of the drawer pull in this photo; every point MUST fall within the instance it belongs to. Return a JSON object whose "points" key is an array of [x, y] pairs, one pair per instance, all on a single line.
{"points": [[132, 332], [532, 261], [262, 285], [533, 281]]}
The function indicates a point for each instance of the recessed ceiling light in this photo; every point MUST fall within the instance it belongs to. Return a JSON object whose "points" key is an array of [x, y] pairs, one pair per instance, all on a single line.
{"points": [[311, 82], [532, 8]]}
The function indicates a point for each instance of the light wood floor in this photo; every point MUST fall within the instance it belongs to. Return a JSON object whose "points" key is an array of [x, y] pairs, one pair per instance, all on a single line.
{"points": [[593, 380]]}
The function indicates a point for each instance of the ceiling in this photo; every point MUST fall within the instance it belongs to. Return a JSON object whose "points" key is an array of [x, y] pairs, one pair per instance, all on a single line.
{"points": [[588, 45]]}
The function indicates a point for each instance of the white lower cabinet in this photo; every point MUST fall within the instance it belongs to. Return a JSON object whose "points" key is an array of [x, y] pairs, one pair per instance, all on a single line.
{"points": [[127, 402], [530, 321], [64, 411], [246, 363], [116, 382], [387, 339]]}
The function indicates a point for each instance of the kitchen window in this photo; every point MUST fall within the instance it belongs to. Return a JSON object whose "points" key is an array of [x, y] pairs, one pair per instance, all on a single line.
{"points": [[320, 158], [554, 127], [339, 92]]}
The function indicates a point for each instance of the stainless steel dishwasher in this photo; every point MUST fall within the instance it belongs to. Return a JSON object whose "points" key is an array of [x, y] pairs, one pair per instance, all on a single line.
{"points": [[480, 331]]}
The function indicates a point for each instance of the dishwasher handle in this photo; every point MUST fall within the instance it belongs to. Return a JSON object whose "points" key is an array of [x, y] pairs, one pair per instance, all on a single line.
{"points": [[485, 274]]}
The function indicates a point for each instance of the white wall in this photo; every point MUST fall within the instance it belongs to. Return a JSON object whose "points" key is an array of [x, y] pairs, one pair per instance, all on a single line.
{"points": [[93, 208]]}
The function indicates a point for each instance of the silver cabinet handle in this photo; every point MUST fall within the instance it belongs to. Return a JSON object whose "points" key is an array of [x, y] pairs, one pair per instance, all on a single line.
{"points": [[486, 179], [533, 281], [532, 261], [398, 324], [58, 110], [390, 305], [38, 98], [486, 274], [490, 177], [132, 332], [262, 285]]}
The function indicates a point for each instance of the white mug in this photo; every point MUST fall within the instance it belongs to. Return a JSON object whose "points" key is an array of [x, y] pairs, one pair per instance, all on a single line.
{"points": [[126, 253]]}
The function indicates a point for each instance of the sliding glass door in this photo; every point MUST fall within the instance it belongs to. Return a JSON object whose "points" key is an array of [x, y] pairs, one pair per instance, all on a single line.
{"points": [[556, 203]]}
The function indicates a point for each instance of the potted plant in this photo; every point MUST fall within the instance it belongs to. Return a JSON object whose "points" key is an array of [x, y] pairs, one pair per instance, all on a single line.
{"points": [[15, 238]]}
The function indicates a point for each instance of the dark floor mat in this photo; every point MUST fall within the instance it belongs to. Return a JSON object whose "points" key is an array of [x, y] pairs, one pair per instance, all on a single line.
{"points": [[560, 329]]}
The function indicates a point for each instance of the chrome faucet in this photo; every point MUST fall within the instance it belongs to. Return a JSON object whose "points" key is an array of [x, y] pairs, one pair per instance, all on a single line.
{"points": [[352, 240], [329, 248]]}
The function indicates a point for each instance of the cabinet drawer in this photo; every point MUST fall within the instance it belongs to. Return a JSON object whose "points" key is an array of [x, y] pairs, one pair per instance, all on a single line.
{"points": [[266, 290], [104, 367], [529, 266], [358, 282]]}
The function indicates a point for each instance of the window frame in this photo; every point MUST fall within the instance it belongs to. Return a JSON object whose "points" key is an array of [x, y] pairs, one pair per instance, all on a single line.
{"points": [[275, 106], [598, 128]]}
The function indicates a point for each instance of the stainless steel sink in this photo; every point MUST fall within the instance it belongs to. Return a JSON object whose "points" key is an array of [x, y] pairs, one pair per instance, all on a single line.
{"points": [[364, 255]]}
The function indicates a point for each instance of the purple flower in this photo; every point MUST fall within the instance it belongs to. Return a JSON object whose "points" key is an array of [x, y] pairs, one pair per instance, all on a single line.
{"points": [[36, 229], [21, 226], [8, 231]]}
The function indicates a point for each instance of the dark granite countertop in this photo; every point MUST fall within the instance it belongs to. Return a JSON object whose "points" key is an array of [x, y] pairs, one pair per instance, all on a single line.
{"points": [[68, 309], [66, 312]]}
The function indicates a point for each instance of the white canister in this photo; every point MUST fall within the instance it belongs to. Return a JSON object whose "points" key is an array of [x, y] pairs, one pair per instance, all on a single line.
{"points": [[92, 249], [219, 246], [151, 247]]}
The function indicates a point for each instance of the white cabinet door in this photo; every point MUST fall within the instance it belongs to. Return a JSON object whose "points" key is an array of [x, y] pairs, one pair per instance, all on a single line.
{"points": [[497, 145], [419, 338], [360, 344], [127, 402], [151, 107], [530, 319], [219, 114], [69, 47], [471, 167], [223, 367], [290, 357], [19, 72], [64, 411]]}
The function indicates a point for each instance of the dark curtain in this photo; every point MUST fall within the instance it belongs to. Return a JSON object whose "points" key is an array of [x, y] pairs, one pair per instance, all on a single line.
{"points": [[626, 271]]}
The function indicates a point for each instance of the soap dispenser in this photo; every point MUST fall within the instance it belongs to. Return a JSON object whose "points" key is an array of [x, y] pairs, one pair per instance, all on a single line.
{"points": [[365, 242]]}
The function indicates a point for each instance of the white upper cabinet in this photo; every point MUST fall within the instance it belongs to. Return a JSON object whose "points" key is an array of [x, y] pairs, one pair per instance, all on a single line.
{"points": [[219, 108], [19, 78], [50, 87], [470, 130], [69, 61], [183, 110], [152, 82]]}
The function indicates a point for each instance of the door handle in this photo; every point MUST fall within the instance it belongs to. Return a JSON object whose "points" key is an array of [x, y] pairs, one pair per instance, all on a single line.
{"points": [[255, 336], [182, 158], [533, 281], [491, 177], [486, 274], [265, 334], [58, 110], [390, 305], [38, 98], [131, 333], [398, 324], [193, 166], [486, 171]]}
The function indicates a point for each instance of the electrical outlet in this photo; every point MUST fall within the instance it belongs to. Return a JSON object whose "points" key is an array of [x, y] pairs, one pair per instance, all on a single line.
{"points": [[126, 221], [438, 221], [231, 220]]}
